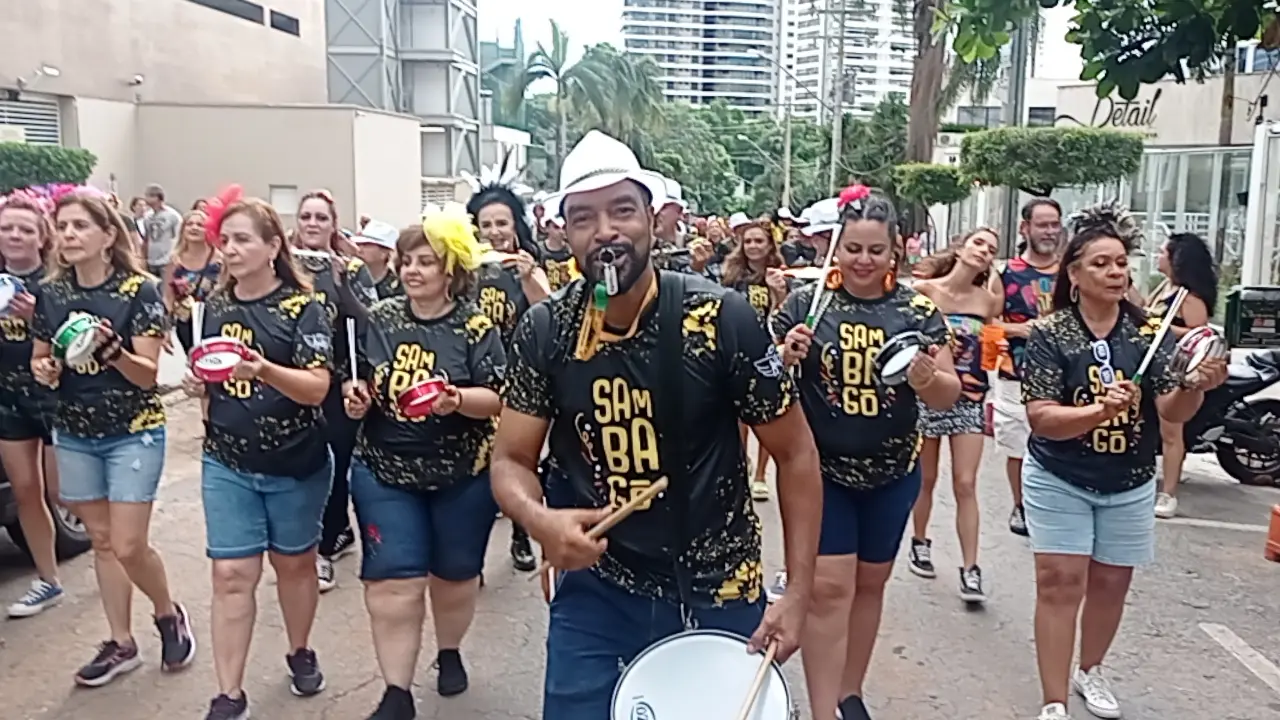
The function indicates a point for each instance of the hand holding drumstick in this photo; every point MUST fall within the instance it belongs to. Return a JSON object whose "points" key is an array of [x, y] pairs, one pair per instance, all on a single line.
{"points": [[571, 549], [757, 684]]}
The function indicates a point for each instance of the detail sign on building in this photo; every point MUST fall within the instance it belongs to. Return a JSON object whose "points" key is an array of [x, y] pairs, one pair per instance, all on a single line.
{"points": [[1139, 114]]}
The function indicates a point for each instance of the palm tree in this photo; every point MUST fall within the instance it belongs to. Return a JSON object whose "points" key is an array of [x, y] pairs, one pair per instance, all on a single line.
{"points": [[579, 82]]}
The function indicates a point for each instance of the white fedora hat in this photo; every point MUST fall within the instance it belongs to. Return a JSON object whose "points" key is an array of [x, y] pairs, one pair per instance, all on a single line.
{"points": [[738, 219], [599, 161], [376, 232], [823, 216], [674, 193]]}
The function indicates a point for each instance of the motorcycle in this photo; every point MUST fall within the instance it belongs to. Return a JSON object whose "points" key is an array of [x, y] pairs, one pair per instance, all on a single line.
{"points": [[1243, 432]]}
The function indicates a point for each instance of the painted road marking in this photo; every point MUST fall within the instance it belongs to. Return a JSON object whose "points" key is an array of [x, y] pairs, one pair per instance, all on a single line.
{"points": [[1256, 662], [1215, 524]]}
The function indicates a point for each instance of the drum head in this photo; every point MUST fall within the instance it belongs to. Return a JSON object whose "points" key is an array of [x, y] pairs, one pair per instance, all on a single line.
{"points": [[698, 675], [74, 340], [215, 355], [896, 356], [80, 347]]}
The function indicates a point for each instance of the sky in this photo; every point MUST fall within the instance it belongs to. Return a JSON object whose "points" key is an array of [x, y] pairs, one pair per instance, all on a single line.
{"points": [[587, 22]]}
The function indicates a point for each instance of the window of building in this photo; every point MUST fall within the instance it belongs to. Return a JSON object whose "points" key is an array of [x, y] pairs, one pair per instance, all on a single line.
{"points": [[987, 117], [1041, 116], [252, 12], [285, 23], [284, 198]]}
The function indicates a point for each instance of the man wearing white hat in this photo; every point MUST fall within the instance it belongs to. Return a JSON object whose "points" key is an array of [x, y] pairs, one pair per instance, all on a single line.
{"points": [[663, 368], [822, 220], [669, 249], [376, 242]]}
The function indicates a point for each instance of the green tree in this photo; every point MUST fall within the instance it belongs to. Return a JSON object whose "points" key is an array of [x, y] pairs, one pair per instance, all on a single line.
{"points": [[687, 149], [1123, 44], [23, 165], [1040, 160]]}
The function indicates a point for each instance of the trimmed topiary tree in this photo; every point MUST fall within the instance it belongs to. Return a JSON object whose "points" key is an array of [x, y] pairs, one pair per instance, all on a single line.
{"points": [[1040, 160], [931, 184], [23, 165]]}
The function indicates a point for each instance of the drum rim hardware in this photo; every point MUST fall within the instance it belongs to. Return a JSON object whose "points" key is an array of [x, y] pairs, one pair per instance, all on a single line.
{"points": [[911, 339]]}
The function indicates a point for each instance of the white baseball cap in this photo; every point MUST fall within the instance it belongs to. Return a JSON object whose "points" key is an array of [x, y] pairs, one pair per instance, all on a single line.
{"points": [[738, 219], [378, 233], [823, 216], [599, 161]]}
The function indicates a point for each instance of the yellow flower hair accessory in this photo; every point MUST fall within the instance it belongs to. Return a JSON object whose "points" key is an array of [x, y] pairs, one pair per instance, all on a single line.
{"points": [[452, 237]]}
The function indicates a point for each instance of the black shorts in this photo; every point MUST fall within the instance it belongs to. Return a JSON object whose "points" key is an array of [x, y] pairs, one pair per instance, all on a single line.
{"points": [[27, 414]]}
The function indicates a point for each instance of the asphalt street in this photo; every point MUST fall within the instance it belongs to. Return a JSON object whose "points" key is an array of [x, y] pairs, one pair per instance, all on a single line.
{"points": [[1200, 640]]}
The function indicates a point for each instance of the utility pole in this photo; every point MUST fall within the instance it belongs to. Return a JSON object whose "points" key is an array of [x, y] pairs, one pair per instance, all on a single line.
{"points": [[786, 160], [1014, 115], [837, 117]]}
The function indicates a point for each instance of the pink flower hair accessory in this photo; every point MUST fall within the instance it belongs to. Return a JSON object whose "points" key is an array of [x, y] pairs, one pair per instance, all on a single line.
{"points": [[216, 210], [852, 194]]}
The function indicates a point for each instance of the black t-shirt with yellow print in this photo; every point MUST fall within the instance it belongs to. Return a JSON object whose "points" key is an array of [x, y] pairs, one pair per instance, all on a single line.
{"points": [[759, 296], [96, 401], [15, 341], [1065, 363], [500, 296], [363, 289], [400, 350], [389, 285], [866, 431], [252, 426], [605, 436], [557, 265]]}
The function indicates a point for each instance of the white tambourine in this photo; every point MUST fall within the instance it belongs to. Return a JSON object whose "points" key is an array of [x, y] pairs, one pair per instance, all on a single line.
{"points": [[896, 354], [10, 288], [1193, 349]]}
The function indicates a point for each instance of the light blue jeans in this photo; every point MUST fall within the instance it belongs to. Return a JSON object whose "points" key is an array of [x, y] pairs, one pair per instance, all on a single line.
{"points": [[1062, 519], [120, 468]]}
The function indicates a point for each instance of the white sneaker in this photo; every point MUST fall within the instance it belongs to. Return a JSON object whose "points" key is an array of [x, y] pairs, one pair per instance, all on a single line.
{"points": [[1054, 711], [40, 597], [760, 491], [1096, 691], [1166, 506]]}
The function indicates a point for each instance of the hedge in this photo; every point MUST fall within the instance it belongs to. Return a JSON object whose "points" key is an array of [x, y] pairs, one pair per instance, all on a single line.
{"points": [[22, 165]]}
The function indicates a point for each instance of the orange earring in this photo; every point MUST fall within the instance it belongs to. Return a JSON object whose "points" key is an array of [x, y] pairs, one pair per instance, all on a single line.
{"points": [[890, 280], [835, 279]]}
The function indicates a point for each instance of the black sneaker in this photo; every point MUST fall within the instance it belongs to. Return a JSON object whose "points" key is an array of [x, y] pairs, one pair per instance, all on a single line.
{"points": [[397, 704], [1018, 521], [522, 550], [971, 589], [453, 676], [852, 708], [112, 661], [920, 559], [304, 673], [344, 545], [227, 708], [177, 642], [324, 574]]}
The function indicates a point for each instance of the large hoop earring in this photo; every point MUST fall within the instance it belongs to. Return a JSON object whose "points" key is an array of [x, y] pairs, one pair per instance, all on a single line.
{"points": [[1074, 293], [890, 280]]}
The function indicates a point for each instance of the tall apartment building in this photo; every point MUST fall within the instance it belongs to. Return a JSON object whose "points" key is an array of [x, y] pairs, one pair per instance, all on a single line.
{"points": [[709, 50], [420, 57], [878, 52]]}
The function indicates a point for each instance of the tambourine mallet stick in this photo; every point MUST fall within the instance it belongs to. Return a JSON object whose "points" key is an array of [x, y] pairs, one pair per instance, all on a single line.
{"points": [[811, 318], [351, 345], [599, 529], [757, 684], [197, 320], [1169, 317]]}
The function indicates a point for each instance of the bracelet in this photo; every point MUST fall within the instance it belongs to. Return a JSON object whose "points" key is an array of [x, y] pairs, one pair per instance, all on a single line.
{"points": [[461, 397]]}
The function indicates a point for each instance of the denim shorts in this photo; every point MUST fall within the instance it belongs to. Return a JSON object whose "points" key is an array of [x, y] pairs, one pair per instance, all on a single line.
{"points": [[120, 468], [867, 523], [1062, 519], [247, 514], [597, 628], [410, 534]]}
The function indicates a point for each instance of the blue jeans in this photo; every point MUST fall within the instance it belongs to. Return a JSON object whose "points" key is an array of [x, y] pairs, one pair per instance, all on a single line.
{"points": [[1062, 519], [867, 523], [597, 628], [247, 514], [408, 534], [120, 468]]}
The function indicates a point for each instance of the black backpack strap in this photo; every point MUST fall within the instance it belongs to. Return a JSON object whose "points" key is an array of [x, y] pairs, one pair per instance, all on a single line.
{"points": [[670, 402]]}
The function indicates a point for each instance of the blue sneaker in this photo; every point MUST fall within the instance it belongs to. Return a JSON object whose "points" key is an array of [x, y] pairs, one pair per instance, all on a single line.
{"points": [[42, 596]]}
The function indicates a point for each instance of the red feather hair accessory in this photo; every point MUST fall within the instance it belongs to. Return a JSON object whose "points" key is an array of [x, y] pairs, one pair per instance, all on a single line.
{"points": [[216, 210], [852, 194]]}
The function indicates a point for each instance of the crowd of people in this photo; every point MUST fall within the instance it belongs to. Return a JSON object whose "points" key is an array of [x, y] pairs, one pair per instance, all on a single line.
{"points": [[581, 350]]}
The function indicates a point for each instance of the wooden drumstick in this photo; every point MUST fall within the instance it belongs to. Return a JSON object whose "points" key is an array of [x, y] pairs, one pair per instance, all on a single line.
{"points": [[615, 517], [1169, 317], [758, 683]]}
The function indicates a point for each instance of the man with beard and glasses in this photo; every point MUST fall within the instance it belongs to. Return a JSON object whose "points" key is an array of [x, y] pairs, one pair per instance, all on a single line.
{"points": [[1026, 284], [642, 376]]}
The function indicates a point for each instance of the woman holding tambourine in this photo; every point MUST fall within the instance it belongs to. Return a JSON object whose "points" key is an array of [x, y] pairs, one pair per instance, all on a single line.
{"points": [[1097, 372], [430, 369], [262, 368], [98, 328], [865, 347], [346, 288]]}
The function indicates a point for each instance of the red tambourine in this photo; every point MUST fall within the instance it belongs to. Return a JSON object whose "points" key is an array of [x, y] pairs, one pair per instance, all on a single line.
{"points": [[417, 400], [214, 359]]}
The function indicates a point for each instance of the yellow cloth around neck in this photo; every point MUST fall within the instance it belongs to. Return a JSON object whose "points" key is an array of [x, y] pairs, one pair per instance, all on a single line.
{"points": [[452, 237]]}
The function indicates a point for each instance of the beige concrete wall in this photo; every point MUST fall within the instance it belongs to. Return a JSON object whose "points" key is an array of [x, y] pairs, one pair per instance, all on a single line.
{"points": [[194, 150], [108, 129], [388, 172], [186, 52]]}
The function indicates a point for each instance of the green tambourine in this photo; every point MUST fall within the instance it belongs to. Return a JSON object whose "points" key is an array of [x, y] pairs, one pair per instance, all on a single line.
{"points": [[74, 341]]}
